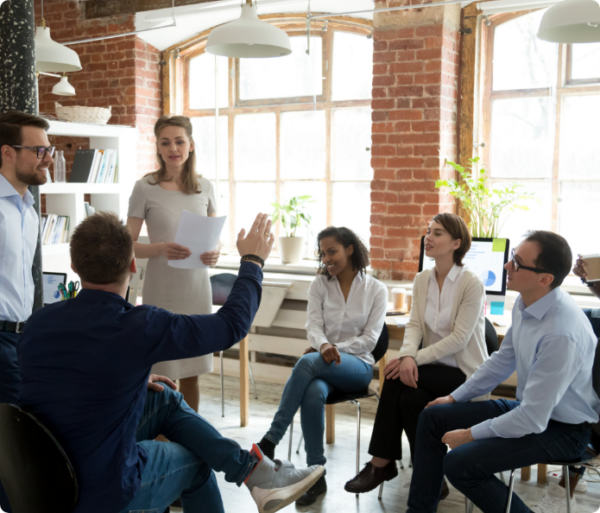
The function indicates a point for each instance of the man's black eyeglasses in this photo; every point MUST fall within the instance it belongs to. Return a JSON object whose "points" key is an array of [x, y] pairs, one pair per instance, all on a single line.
{"points": [[516, 265], [41, 150]]}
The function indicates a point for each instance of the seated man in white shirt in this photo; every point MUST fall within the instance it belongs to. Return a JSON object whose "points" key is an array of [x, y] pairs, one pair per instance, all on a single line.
{"points": [[551, 345]]}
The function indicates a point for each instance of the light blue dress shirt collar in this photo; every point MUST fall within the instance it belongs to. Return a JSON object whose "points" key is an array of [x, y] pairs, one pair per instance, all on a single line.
{"points": [[7, 190], [540, 308]]}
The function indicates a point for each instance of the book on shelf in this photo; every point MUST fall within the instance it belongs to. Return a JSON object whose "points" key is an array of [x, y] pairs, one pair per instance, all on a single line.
{"points": [[89, 210], [94, 166], [55, 229]]}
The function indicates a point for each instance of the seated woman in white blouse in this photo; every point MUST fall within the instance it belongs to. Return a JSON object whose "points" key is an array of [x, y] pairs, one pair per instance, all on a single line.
{"points": [[346, 312], [447, 316]]}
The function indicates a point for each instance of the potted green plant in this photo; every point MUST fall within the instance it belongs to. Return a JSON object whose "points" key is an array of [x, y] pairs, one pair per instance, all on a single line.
{"points": [[485, 206], [291, 215]]}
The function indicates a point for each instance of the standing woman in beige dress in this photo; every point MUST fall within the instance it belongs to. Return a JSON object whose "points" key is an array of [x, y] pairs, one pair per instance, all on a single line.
{"points": [[159, 198]]}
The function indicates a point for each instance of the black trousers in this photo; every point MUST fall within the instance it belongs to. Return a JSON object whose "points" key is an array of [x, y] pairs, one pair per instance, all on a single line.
{"points": [[400, 407]]}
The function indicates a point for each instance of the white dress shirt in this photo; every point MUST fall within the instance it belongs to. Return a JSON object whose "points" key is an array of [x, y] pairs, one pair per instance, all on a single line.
{"points": [[353, 325], [19, 228], [551, 345], [438, 309]]}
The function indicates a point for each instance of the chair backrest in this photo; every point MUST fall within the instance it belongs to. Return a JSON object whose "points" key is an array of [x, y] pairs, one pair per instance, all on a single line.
{"points": [[221, 285], [382, 344], [491, 337], [35, 471]]}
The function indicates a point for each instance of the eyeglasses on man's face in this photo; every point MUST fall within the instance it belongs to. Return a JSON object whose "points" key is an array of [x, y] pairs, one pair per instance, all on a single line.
{"points": [[41, 151], [516, 265]]}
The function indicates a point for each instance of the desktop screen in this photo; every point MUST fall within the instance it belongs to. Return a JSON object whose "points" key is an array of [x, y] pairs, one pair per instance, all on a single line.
{"points": [[51, 282], [486, 257]]}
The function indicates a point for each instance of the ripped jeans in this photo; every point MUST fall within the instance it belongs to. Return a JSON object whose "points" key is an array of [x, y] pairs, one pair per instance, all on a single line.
{"points": [[184, 466]]}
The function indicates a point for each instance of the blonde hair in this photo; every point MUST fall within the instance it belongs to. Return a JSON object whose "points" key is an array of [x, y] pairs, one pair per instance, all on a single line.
{"points": [[189, 179]]}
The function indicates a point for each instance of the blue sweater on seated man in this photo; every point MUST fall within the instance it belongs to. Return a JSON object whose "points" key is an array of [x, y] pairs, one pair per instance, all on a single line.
{"points": [[85, 367]]}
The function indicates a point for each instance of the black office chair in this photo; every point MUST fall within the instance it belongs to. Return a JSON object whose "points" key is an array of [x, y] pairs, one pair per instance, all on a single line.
{"points": [[221, 285], [338, 396], [590, 453], [35, 471]]}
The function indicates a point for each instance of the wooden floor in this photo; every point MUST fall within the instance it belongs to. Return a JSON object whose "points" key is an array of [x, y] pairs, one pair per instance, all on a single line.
{"points": [[341, 457]]}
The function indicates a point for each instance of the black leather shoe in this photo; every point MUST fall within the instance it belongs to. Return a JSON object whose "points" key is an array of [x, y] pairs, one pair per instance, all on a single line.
{"points": [[319, 488], [267, 447], [371, 477]]}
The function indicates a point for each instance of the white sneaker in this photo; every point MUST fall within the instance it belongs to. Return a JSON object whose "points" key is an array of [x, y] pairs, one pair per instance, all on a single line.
{"points": [[554, 501], [275, 484], [555, 476]]}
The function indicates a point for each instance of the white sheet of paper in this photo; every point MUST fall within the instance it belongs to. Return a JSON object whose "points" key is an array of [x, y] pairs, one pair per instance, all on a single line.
{"points": [[199, 234], [402, 320]]}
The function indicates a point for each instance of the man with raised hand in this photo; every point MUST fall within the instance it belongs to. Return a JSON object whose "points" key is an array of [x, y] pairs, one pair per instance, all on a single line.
{"points": [[551, 345], [85, 367]]}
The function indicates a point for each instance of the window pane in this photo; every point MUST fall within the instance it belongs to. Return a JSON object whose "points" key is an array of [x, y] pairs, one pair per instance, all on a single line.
{"points": [[586, 61], [303, 143], [317, 209], [223, 208], [202, 82], [352, 72], [254, 143], [521, 145], [580, 152], [577, 214], [351, 207], [297, 74], [521, 60], [351, 137], [516, 224], [204, 137], [250, 199]]}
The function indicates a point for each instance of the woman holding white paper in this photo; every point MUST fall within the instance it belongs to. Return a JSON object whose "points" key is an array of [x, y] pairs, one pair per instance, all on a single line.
{"points": [[159, 198]]}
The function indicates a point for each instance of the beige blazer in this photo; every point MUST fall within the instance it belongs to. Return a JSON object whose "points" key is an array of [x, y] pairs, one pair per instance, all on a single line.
{"points": [[467, 340]]}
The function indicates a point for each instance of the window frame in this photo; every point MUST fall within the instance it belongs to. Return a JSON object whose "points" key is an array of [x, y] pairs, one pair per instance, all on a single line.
{"points": [[565, 87], [176, 79]]}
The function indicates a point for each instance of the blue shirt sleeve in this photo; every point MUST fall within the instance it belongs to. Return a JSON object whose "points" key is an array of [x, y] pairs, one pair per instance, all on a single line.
{"points": [[186, 336], [558, 361], [494, 371]]}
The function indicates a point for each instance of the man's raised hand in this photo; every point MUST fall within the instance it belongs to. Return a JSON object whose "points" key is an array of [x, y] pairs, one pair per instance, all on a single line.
{"points": [[259, 240]]}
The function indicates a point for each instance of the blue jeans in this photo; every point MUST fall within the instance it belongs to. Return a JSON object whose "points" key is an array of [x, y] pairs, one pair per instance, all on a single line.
{"points": [[312, 380], [10, 382], [471, 467], [184, 466]]}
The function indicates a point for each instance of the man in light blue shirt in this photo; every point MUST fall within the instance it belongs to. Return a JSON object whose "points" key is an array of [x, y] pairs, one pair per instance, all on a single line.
{"points": [[552, 346], [25, 155]]}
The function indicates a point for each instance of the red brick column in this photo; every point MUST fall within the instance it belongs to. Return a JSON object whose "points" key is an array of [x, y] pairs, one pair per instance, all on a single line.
{"points": [[415, 75]]}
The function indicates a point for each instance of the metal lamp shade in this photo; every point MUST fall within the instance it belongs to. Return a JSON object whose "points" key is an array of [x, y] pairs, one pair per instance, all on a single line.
{"points": [[51, 56], [248, 37], [571, 21], [63, 88]]}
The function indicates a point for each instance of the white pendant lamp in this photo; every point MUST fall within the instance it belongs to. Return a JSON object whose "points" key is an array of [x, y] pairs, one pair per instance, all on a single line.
{"points": [[63, 88], [248, 37], [52, 56], [571, 21]]}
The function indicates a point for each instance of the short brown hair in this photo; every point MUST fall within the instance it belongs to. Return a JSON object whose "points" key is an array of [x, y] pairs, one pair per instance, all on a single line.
{"points": [[458, 229], [102, 249], [189, 179], [11, 127]]}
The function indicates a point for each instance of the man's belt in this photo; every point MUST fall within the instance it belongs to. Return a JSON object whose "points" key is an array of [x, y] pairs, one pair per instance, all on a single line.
{"points": [[12, 327]]}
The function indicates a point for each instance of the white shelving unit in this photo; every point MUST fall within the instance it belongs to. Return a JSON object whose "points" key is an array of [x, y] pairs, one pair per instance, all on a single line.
{"points": [[67, 198]]}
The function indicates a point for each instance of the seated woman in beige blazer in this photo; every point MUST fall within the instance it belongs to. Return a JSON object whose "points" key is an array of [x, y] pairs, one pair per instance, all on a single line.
{"points": [[444, 344]]}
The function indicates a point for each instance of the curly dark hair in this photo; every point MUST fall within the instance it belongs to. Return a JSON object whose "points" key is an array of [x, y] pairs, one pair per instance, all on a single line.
{"points": [[347, 238]]}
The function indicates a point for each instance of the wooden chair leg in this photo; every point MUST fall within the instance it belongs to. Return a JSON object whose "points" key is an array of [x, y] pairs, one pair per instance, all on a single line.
{"points": [[330, 423], [525, 473], [542, 473]]}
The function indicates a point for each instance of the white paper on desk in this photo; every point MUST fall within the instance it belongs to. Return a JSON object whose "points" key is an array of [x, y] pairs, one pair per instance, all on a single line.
{"points": [[199, 234], [402, 320]]}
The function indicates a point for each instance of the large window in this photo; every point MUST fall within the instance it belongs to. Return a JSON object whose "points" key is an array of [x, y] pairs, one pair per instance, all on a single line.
{"points": [[287, 127], [542, 121]]}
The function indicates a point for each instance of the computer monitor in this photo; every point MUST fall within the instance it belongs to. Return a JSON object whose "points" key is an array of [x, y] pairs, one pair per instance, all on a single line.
{"points": [[51, 282], [487, 257]]}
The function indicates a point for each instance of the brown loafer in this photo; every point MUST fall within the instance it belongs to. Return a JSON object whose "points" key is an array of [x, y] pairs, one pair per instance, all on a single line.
{"points": [[371, 477]]}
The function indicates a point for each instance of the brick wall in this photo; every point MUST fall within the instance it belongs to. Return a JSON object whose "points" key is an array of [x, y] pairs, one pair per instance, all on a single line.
{"points": [[415, 74], [123, 73]]}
